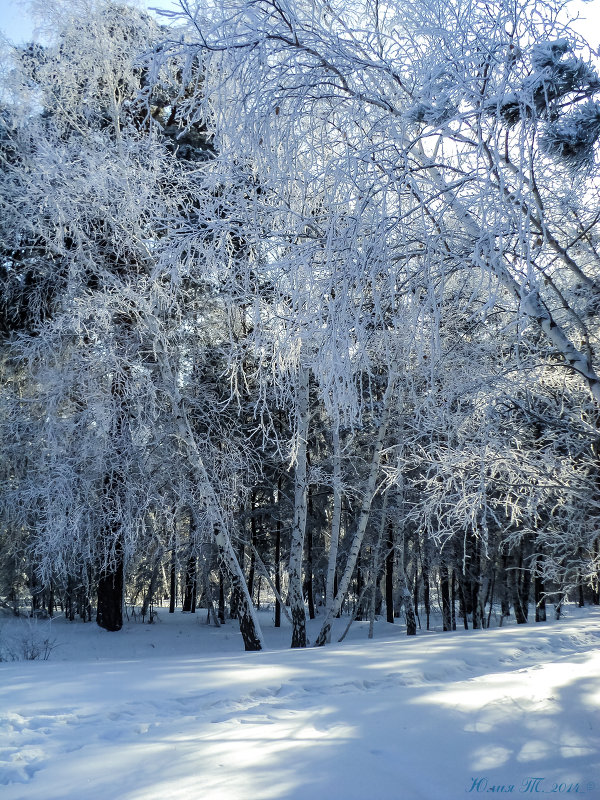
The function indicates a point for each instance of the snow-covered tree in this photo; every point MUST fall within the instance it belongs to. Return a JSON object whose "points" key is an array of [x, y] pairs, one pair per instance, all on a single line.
{"points": [[97, 175], [400, 152]]}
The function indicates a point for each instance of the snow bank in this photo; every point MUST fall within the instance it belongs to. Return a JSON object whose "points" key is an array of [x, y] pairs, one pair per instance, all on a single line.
{"points": [[158, 712]]}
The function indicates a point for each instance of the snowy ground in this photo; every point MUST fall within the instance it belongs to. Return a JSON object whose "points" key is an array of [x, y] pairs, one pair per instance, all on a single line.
{"points": [[176, 711]]}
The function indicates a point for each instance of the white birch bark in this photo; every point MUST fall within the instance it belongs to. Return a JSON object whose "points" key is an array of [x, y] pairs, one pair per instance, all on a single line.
{"points": [[247, 616], [365, 510]]}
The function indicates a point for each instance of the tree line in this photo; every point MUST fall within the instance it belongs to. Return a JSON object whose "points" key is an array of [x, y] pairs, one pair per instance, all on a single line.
{"points": [[299, 306]]}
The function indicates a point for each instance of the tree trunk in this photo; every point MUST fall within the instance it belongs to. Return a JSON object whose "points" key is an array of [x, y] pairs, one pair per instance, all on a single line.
{"points": [[357, 615], [149, 595], [462, 600], [253, 540], [389, 574], [309, 577], [374, 578], [109, 612], [505, 601], [189, 595], [336, 521], [519, 608], [520, 588], [425, 577], [489, 597], [405, 597], [221, 598], [84, 602], [111, 582], [296, 597], [445, 592], [475, 581], [596, 584], [70, 600], [173, 586], [208, 594], [278, 558], [453, 600], [539, 597]]}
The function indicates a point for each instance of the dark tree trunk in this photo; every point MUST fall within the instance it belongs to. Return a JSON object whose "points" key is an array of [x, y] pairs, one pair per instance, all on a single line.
{"points": [[489, 597], [520, 615], [538, 595], [505, 602], [445, 592], [475, 604], [109, 613], [471, 581], [525, 589], [189, 597], [50, 605], [233, 601], [254, 542], [85, 600], [111, 581], [596, 585], [258, 588], [357, 615], [415, 594], [521, 586], [173, 587], [278, 512], [251, 573], [278, 568], [248, 631], [453, 601], [389, 574], [150, 592], [426, 586], [70, 600], [221, 612], [36, 592], [194, 593], [309, 576], [463, 602]]}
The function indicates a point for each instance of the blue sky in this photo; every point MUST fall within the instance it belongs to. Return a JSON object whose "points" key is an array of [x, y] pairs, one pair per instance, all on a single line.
{"points": [[17, 24], [14, 19]]}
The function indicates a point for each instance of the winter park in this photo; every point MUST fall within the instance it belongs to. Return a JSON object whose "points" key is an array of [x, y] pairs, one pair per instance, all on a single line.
{"points": [[299, 399]]}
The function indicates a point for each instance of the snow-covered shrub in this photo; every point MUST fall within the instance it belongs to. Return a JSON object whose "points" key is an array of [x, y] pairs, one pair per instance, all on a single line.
{"points": [[26, 640]]}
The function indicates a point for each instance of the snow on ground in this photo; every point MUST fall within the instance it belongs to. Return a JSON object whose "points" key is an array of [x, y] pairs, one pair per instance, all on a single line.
{"points": [[176, 711]]}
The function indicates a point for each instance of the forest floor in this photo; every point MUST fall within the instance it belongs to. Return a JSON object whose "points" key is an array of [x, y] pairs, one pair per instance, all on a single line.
{"points": [[177, 711]]}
